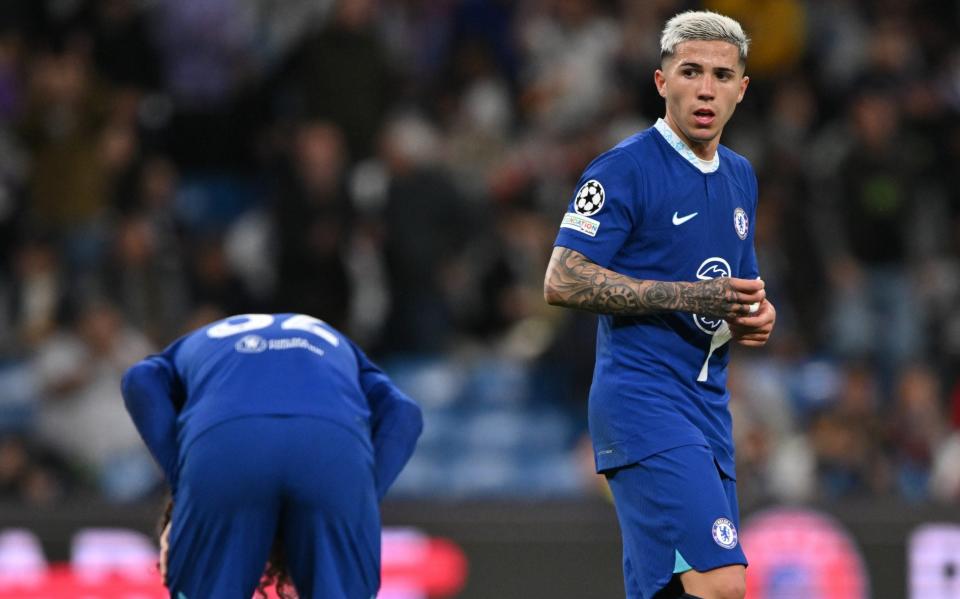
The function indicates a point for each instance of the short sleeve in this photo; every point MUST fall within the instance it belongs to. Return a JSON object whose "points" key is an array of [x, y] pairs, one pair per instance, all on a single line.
{"points": [[604, 208]]}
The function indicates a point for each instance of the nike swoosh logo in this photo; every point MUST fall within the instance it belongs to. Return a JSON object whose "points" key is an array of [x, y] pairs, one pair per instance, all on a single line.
{"points": [[679, 220]]}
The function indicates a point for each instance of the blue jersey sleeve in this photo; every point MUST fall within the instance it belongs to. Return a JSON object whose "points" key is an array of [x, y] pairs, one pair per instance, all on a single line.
{"points": [[151, 393], [395, 421], [604, 209]]}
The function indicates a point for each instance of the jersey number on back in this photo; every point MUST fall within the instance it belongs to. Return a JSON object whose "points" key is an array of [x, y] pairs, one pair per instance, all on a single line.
{"points": [[254, 322]]}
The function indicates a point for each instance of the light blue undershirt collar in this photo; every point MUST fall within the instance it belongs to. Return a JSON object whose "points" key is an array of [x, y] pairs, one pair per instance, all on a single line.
{"points": [[704, 166]]}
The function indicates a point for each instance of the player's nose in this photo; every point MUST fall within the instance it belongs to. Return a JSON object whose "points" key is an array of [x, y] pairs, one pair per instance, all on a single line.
{"points": [[707, 88]]}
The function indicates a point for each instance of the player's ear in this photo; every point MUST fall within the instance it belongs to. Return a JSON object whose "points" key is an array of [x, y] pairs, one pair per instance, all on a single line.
{"points": [[744, 82], [660, 80]]}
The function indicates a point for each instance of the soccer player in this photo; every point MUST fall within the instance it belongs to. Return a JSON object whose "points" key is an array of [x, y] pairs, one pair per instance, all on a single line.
{"points": [[658, 240], [271, 427]]}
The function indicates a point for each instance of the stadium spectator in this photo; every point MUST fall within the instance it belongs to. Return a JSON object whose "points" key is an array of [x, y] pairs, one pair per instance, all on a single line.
{"points": [[313, 221], [65, 116], [421, 197], [847, 438], [31, 474], [144, 277], [916, 430], [874, 315], [341, 74], [568, 77], [77, 371]]}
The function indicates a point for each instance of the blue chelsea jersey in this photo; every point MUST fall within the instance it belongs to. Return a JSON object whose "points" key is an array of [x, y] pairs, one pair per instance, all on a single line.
{"points": [[647, 210], [267, 364]]}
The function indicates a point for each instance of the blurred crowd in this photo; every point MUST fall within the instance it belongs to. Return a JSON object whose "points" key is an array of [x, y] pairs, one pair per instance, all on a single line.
{"points": [[399, 168]]}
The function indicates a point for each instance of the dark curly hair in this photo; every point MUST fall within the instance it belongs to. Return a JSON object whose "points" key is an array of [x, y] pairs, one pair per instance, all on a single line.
{"points": [[275, 573]]}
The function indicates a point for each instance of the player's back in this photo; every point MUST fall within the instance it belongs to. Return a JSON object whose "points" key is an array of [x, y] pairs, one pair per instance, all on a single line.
{"points": [[267, 364]]}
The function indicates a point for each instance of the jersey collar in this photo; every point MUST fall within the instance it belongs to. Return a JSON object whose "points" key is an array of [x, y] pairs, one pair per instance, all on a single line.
{"points": [[704, 166]]}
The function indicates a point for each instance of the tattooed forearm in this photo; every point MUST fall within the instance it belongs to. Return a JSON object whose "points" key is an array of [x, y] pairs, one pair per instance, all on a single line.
{"points": [[575, 282], [713, 297], [659, 293]]}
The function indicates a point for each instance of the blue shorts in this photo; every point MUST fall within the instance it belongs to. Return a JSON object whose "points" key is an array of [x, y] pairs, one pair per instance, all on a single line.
{"points": [[673, 506], [245, 480]]}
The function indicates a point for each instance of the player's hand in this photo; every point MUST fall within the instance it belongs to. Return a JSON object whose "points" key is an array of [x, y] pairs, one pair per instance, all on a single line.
{"points": [[754, 329], [723, 297]]}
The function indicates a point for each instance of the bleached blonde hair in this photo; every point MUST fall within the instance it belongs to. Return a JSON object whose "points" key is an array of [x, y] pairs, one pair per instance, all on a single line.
{"points": [[702, 25]]}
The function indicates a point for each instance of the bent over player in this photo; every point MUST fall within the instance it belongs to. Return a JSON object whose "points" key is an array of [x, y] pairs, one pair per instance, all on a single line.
{"points": [[658, 240], [272, 426]]}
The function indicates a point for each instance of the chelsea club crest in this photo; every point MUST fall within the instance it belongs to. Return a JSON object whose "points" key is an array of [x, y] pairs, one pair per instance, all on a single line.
{"points": [[740, 222], [724, 533]]}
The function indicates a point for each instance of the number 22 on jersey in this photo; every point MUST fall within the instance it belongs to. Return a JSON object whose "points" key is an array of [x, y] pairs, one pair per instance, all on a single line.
{"points": [[254, 322]]}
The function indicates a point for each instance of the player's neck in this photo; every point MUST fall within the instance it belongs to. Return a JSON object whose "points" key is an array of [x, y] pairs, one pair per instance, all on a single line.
{"points": [[703, 150]]}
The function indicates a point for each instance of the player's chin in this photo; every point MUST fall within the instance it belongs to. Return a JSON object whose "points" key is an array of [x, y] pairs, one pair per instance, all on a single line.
{"points": [[703, 134]]}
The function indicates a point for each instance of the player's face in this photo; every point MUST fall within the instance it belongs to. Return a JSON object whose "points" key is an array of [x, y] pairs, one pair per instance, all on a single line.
{"points": [[702, 84]]}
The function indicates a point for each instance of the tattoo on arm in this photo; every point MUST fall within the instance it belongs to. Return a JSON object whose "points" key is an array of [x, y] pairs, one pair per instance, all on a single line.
{"points": [[576, 282]]}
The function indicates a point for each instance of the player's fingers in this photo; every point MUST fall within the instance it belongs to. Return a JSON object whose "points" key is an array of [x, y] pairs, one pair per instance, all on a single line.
{"points": [[763, 317], [736, 310], [745, 307], [754, 297], [752, 321], [746, 285], [751, 335]]}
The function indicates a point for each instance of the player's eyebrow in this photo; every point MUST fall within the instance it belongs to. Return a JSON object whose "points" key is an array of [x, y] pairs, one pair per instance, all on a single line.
{"points": [[698, 66]]}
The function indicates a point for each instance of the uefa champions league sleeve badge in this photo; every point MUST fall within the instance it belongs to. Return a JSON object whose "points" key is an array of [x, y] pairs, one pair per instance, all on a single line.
{"points": [[589, 199]]}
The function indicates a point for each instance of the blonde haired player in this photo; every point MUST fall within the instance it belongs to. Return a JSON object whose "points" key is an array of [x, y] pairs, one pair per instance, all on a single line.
{"points": [[658, 240]]}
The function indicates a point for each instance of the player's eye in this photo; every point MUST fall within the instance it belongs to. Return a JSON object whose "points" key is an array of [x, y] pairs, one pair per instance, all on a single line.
{"points": [[688, 72]]}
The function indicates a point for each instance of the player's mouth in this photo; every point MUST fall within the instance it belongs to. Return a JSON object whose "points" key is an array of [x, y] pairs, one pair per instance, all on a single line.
{"points": [[704, 117]]}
